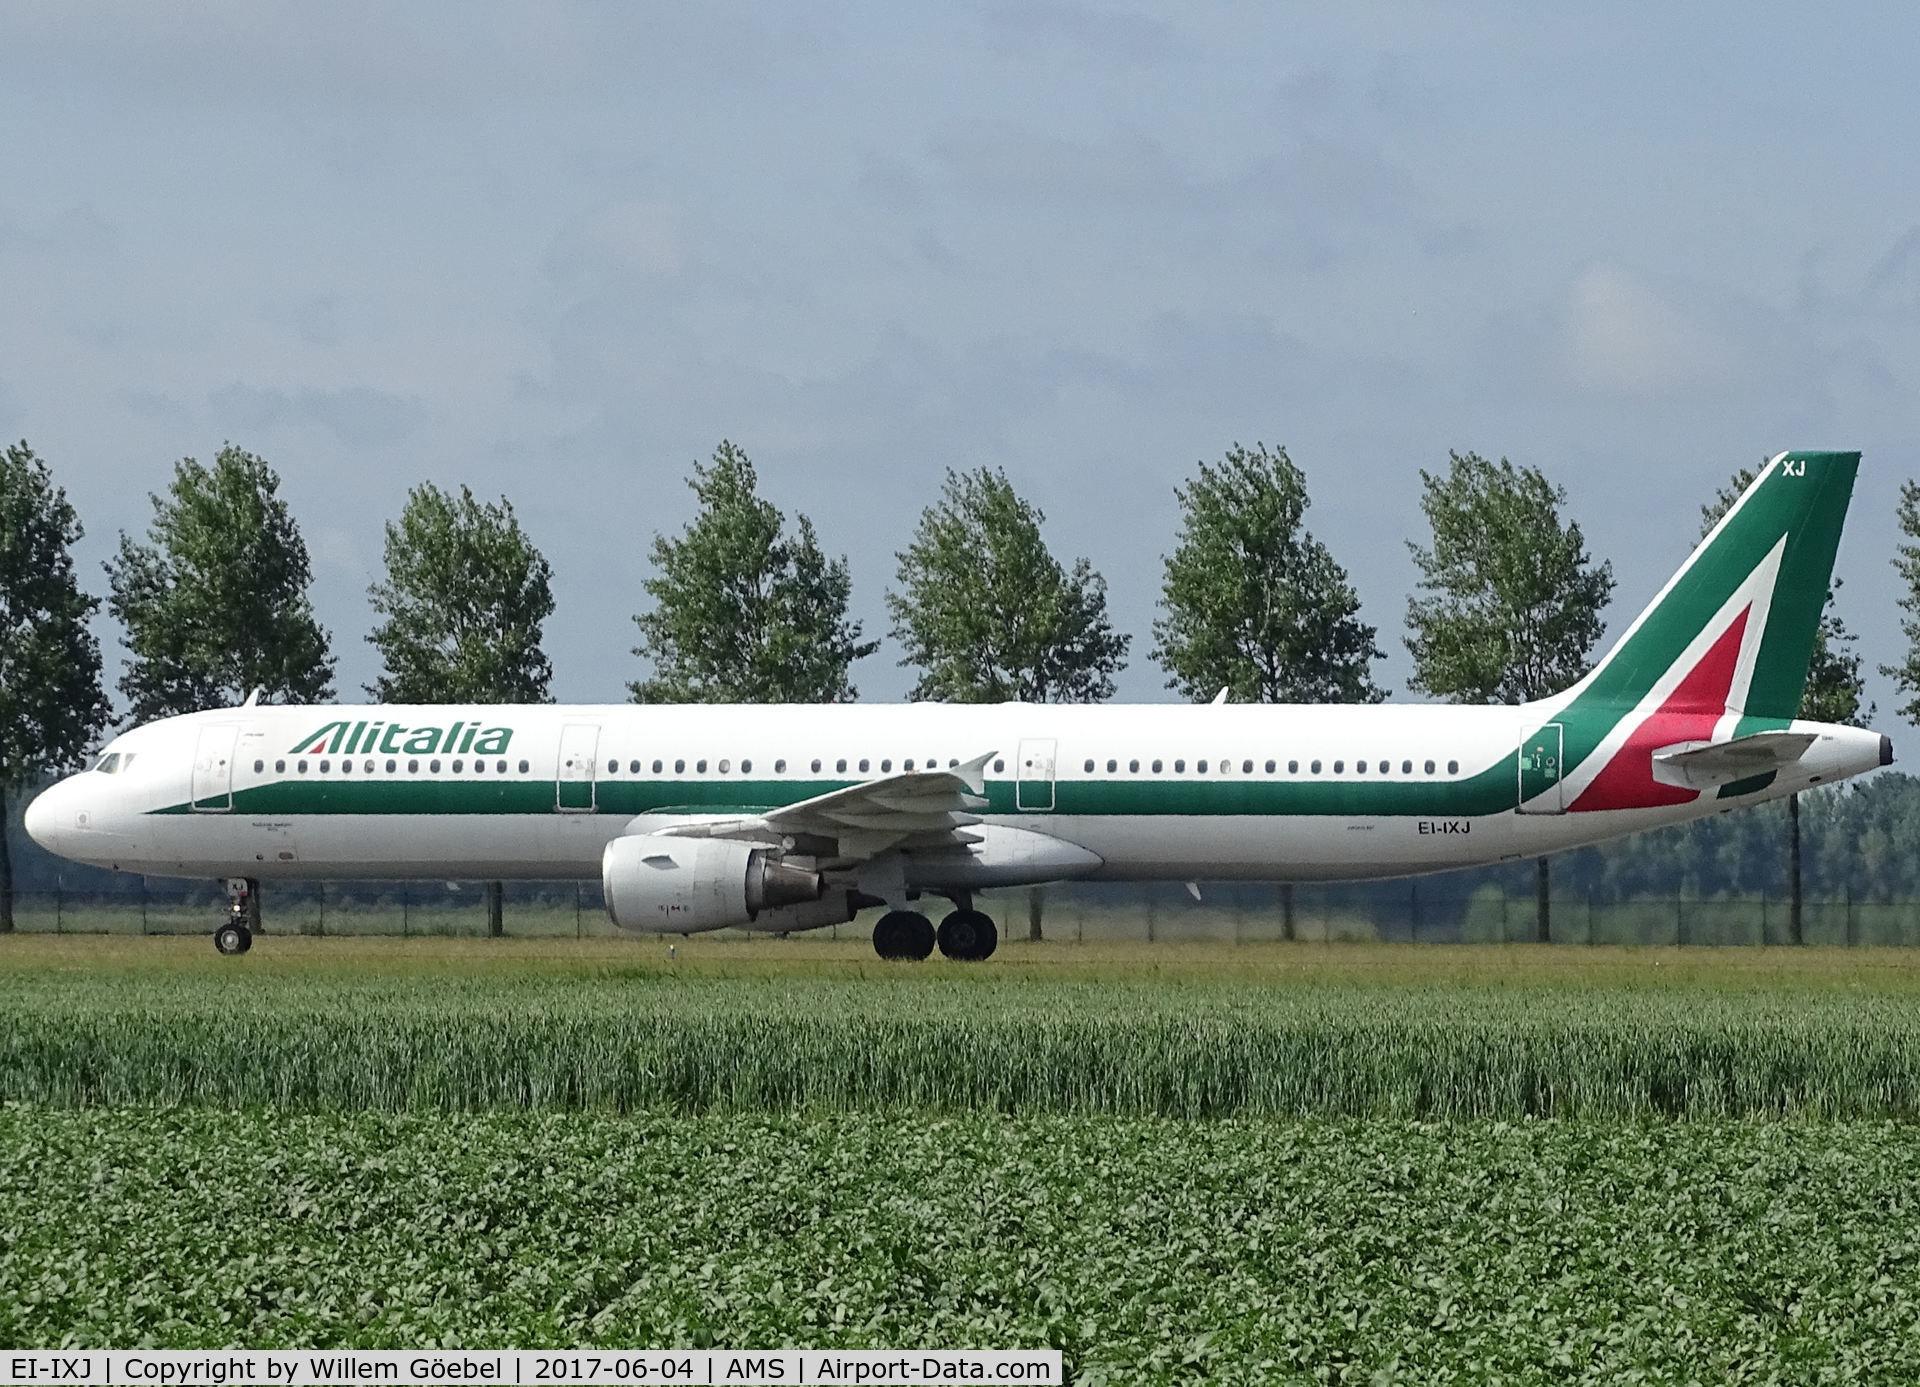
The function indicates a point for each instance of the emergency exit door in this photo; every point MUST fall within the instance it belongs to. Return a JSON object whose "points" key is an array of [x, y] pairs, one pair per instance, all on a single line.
{"points": [[1033, 779], [1541, 790], [573, 783]]}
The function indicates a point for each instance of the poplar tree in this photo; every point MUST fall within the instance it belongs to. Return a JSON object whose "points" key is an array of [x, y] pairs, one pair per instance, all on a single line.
{"points": [[215, 603], [1254, 603], [52, 704], [1513, 602], [987, 614], [1906, 563], [745, 612], [463, 604]]}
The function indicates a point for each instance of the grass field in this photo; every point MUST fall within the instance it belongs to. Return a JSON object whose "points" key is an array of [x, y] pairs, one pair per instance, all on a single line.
{"points": [[1301, 1030], [1351, 1163]]}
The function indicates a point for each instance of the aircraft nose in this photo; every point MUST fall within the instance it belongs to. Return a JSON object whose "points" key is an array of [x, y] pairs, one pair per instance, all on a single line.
{"points": [[42, 819]]}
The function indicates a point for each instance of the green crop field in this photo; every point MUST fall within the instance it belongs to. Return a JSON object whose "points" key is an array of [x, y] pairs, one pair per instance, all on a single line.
{"points": [[1351, 1163]]}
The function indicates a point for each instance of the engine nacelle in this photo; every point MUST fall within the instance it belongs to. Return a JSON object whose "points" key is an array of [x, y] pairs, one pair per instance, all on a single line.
{"points": [[658, 884]]}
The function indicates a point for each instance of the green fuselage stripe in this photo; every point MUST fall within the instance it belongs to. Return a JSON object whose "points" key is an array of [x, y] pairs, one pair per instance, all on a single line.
{"points": [[1489, 792]]}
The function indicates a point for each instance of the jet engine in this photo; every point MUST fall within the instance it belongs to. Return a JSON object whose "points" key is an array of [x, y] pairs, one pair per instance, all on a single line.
{"points": [[657, 884]]}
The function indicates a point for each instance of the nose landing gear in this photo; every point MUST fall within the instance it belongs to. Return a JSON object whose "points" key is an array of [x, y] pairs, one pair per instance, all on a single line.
{"points": [[243, 912]]}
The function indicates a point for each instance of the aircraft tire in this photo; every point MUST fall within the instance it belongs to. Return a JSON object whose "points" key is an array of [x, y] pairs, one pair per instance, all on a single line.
{"points": [[969, 936], [903, 934], [233, 939]]}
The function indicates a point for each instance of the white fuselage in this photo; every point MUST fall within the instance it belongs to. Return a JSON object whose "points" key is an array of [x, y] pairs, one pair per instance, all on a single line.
{"points": [[1172, 792]]}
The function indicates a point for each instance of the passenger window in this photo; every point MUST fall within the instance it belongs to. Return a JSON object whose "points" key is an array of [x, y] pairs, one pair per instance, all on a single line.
{"points": [[1156, 766], [613, 768], [863, 764], [325, 766], [459, 766], [1246, 767], [1359, 767], [840, 765], [479, 766], [680, 767], [434, 766], [1133, 768], [1453, 768], [999, 766], [279, 767], [1293, 768], [816, 763], [1429, 768], [1406, 768], [1339, 766], [1200, 766], [700, 766], [393, 766], [746, 768], [1179, 765], [658, 764], [885, 765], [1315, 768], [780, 766], [259, 766], [523, 767], [1269, 768], [303, 768], [725, 766], [413, 768], [907, 764], [1089, 768], [1112, 766]]}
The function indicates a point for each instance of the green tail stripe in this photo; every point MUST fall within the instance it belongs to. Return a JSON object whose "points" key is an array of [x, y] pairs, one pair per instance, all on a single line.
{"points": [[1802, 496]]}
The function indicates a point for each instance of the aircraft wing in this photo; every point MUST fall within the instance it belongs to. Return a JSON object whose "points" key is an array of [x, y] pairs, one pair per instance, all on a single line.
{"points": [[859, 822], [1705, 765]]}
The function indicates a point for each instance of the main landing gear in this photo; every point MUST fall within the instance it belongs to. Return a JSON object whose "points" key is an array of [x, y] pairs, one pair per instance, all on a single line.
{"points": [[966, 935], [243, 912]]}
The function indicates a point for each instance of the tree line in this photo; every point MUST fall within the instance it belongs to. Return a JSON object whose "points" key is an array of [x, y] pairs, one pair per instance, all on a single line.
{"points": [[747, 607]]}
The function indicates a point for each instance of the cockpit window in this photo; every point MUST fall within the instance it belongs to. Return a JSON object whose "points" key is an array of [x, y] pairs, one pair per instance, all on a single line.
{"points": [[108, 764], [126, 761]]}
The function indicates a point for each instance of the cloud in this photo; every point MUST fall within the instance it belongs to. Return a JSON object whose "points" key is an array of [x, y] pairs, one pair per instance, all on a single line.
{"points": [[635, 235], [1623, 338], [357, 415], [1020, 30]]}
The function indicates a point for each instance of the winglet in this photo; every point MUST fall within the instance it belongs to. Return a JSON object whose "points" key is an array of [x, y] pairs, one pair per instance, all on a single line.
{"points": [[974, 772], [1221, 697], [254, 697]]}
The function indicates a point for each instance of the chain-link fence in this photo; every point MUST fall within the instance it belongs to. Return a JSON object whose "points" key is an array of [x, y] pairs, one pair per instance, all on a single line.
{"points": [[1431, 910]]}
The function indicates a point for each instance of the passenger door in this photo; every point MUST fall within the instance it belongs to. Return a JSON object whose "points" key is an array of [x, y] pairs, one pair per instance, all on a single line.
{"points": [[212, 787], [1541, 790], [573, 786]]}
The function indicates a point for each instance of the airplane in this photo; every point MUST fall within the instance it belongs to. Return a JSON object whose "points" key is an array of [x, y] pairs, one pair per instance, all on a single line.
{"points": [[779, 818]]}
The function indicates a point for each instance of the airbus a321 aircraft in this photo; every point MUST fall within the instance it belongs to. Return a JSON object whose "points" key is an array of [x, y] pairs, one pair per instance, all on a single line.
{"points": [[783, 818]]}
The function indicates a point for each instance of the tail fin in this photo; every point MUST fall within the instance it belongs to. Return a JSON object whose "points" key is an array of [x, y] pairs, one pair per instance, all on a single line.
{"points": [[1733, 630]]}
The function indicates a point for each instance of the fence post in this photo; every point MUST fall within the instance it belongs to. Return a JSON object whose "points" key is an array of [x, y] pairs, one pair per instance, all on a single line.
{"points": [[1413, 911], [1853, 936], [321, 928], [406, 909], [1679, 920], [60, 904], [143, 905], [576, 911], [1763, 920], [1149, 912], [1589, 917]]}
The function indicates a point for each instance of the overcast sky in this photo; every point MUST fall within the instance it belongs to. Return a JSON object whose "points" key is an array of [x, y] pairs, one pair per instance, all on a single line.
{"points": [[559, 252]]}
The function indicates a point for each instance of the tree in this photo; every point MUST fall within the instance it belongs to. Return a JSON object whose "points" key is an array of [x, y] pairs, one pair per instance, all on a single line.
{"points": [[987, 614], [1515, 605], [1833, 692], [1254, 603], [743, 613], [465, 597], [1906, 563], [52, 705], [215, 603]]}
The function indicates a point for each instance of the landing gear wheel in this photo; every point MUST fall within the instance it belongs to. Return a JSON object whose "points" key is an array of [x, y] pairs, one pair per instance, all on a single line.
{"points": [[969, 935], [233, 939], [903, 934]]}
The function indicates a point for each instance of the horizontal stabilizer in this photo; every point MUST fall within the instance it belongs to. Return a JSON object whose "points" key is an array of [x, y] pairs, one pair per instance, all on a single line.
{"points": [[1707, 765]]}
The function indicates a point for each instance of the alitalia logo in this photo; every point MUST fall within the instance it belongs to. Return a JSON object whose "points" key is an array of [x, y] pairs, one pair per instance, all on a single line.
{"points": [[390, 738]]}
